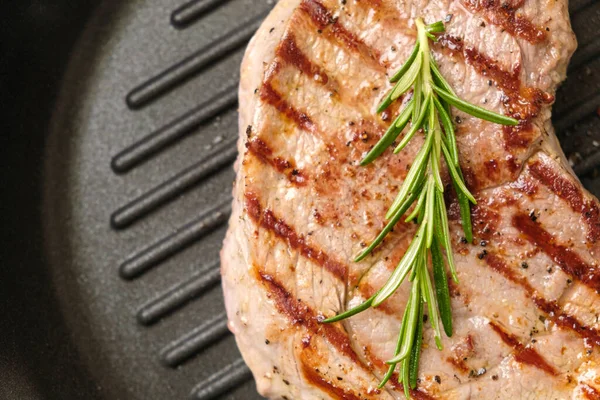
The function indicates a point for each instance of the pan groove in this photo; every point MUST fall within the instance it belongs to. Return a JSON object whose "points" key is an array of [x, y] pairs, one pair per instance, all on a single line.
{"points": [[193, 10], [574, 96], [143, 149], [175, 186], [577, 113], [185, 69], [179, 295], [176, 242], [195, 341], [587, 53], [577, 5], [222, 381]]}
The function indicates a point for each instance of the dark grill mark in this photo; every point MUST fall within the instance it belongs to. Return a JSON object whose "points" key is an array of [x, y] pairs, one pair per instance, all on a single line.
{"points": [[560, 318], [372, 3], [572, 194], [485, 222], [492, 167], [269, 95], [326, 385], [522, 103], [269, 221], [525, 185], [459, 364], [264, 153], [461, 352], [505, 15], [563, 256], [327, 24], [414, 394], [524, 355], [551, 308], [289, 52], [300, 314], [590, 393], [500, 267]]}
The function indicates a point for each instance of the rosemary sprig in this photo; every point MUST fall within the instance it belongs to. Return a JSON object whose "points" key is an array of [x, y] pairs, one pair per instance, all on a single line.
{"points": [[423, 189]]}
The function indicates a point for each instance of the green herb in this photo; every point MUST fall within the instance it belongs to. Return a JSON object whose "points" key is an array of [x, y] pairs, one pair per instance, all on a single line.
{"points": [[423, 189]]}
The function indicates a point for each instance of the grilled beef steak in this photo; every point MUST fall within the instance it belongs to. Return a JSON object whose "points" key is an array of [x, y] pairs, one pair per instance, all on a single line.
{"points": [[526, 309]]}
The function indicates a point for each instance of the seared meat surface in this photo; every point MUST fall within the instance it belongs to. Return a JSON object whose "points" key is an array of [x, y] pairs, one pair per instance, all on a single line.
{"points": [[526, 309]]}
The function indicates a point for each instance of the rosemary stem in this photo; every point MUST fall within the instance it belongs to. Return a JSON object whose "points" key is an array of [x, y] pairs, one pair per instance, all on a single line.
{"points": [[423, 189]]}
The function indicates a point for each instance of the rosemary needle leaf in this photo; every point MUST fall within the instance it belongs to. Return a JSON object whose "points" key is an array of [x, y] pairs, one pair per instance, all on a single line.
{"points": [[402, 329], [432, 307], [415, 172], [441, 287], [465, 214], [456, 177], [392, 133], [411, 322], [387, 101], [436, 27], [401, 270], [419, 260], [416, 350], [438, 79], [416, 125], [435, 157], [430, 210], [388, 376], [475, 111], [449, 129], [406, 65], [406, 378], [405, 206], [417, 98], [445, 237], [356, 310], [418, 207], [408, 79]]}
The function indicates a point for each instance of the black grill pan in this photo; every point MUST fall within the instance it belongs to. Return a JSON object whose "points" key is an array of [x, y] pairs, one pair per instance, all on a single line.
{"points": [[119, 124]]}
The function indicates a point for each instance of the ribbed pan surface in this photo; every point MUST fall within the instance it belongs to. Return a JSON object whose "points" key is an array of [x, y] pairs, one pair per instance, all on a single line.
{"points": [[138, 179]]}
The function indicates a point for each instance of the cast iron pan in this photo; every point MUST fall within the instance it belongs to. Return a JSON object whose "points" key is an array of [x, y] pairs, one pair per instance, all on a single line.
{"points": [[118, 128]]}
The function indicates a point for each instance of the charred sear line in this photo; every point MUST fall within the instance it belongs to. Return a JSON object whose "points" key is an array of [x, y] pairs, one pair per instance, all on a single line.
{"points": [[522, 353], [302, 315], [327, 24], [269, 95], [570, 193], [590, 392], [316, 378], [551, 308], [505, 14], [263, 152], [290, 53], [522, 103], [459, 364], [267, 219], [563, 256]]}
